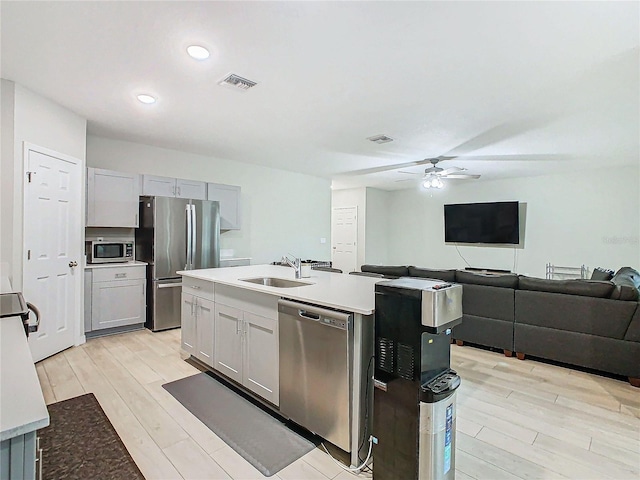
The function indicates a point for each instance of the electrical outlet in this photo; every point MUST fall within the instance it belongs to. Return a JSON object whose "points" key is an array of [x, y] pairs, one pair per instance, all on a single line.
{"points": [[323, 240]]}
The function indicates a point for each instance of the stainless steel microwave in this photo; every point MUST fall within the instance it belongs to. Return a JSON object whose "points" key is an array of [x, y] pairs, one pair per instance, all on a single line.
{"points": [[110, 252]]}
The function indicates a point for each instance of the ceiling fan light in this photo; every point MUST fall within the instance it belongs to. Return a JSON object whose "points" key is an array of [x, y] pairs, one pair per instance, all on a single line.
{"points": [[438, 183], [198, 52], [426, 184], [146, 99]]}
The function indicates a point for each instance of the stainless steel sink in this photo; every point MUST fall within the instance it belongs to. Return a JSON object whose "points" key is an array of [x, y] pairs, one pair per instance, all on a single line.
{"points": [[276, 282]]}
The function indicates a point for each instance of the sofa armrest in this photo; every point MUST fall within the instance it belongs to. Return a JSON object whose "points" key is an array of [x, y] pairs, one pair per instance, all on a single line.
{"points": [[633, 332]]}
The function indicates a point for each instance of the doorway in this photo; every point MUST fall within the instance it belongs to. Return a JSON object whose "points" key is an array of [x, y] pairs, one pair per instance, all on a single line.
{"points": [[53, 266], [344, 235]]}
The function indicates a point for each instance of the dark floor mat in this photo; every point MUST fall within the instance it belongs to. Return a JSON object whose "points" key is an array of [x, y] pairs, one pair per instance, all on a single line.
{"points": [[80, 443], [257, 436]]}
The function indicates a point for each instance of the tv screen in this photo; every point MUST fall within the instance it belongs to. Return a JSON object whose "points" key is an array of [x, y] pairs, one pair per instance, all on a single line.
{"points": [[495, 222]]}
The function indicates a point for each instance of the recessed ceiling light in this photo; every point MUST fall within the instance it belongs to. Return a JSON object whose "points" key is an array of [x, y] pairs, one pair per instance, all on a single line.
{"points": [[198, 52], [148, 99]]}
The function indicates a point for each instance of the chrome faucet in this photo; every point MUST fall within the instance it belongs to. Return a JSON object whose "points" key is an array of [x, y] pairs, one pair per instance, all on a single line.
{"points": [[296, 264]]}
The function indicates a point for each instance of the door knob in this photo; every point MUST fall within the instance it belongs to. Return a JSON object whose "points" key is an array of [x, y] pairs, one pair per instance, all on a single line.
{"points": [[73, 264]]}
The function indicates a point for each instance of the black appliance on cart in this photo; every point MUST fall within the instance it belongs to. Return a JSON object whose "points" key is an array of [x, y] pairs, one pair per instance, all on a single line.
{"points": [[414, 414]]}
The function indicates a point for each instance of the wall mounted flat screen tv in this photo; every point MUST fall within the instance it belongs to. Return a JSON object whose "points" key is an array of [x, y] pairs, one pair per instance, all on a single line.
{"points": [[495, 222]]}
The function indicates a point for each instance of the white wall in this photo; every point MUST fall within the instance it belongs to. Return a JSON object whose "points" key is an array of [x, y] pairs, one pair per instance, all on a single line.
{"points": [[589, 217], [282, 212], [39, 121], [377, 230], [7, 113]]}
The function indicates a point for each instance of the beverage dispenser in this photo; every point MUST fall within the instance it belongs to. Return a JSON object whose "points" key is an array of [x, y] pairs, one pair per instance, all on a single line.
{"points": [[414, 415]]}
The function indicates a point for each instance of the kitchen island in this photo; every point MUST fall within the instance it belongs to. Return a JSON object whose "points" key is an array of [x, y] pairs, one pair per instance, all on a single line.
{"points": [[22, 406], [231, 323]]}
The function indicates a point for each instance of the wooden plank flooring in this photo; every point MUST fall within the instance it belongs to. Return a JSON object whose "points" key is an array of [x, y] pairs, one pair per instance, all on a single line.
{"points": [[516, 419]]}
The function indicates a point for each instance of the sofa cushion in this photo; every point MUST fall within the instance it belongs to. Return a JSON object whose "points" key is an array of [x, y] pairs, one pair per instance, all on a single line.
{"points": [[444, 275], [505, 281], [601, 274], [488, 302], [574, 313], [587, 288], [386, 270]]}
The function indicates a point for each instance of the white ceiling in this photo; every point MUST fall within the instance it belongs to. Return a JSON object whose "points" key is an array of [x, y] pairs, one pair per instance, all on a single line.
{"points": [[513, 88]]}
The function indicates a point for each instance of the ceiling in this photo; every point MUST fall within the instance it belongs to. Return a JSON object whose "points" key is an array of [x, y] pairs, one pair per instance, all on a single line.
{"points": [[510, 88]]}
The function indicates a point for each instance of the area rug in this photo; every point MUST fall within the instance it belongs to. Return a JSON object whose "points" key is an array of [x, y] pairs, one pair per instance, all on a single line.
{"points": [[260, 438], [80, 443]]}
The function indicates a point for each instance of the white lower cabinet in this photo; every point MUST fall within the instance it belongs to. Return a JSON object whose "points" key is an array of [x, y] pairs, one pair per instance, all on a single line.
{"points": [[228, 342], [246, 343], [118, 297], [188, 323], [260, 372], [197, 327]]}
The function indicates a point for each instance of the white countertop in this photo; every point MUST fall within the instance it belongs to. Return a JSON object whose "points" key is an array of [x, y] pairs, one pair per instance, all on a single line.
{"points": [[135, 263], [22, 406], [353, 293]]}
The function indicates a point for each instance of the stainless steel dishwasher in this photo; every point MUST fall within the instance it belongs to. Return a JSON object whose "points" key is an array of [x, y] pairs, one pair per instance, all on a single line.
{"points": [[315, 369]]}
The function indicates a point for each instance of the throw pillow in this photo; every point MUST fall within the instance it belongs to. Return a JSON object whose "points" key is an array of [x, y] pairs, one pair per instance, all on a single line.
{"points": [[601, 274], [627, 276]]}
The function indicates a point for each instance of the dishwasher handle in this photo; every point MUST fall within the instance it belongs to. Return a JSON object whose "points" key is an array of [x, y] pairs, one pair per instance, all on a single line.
{"points": [[310, 312], [309, 315]]}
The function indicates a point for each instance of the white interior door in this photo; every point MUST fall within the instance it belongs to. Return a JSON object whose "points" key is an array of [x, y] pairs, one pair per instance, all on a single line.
{"points": [[53, 247], [344, 235]]}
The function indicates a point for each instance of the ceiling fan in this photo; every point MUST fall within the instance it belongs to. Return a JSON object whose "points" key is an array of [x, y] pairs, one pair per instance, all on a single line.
{"points": [[433, 175]]}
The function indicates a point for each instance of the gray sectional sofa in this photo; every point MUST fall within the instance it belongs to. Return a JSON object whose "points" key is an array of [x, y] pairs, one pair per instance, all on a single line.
{"points": [[587, 323]]}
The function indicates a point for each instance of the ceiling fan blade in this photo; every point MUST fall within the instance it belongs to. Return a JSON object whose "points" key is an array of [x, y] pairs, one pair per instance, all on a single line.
{"points": [[450, 170], [461, 176], [386, 168], [410, 173], [406, 180]]}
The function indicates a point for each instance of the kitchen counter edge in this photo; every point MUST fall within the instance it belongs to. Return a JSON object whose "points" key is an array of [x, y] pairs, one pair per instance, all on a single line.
{"points": [[317, 293]]}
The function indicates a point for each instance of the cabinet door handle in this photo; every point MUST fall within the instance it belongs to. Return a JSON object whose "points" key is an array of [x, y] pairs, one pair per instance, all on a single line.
{"points": [[195, 287], [39, 458], [121, 275], [178, 191]]}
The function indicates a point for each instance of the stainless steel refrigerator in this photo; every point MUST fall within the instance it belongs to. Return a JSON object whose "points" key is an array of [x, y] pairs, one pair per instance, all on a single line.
{"points": [[174, 234]]}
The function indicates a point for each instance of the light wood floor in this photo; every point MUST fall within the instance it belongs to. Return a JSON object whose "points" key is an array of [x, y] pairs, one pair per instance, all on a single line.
{"points": [[516, 419]]}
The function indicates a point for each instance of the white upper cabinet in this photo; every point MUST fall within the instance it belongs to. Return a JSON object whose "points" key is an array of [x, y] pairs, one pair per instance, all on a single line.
{"points": [[112, 198], [160, 186], [229, 198], [173, 187], [191, 189]]}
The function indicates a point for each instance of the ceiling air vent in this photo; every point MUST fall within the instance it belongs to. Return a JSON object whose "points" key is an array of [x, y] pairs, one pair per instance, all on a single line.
{"points": [[237, 82], [380, 139]]}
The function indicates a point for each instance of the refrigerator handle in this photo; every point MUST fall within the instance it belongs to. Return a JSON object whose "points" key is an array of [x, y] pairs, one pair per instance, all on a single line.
{"points": [[194, 234], [189, 237]]}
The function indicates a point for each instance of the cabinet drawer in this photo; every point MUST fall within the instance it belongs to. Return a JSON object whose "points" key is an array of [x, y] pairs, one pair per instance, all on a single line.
{"points": [[197, 287], [109, 274], [258, 303]]}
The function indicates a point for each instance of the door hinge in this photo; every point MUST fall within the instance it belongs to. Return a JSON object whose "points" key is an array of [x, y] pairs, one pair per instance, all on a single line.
{"points": [[29, 174]]}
